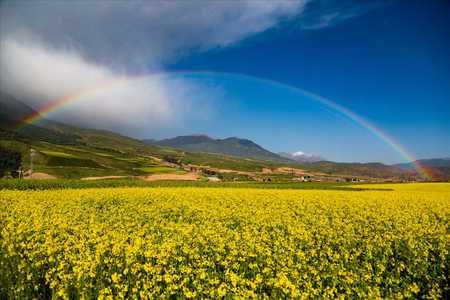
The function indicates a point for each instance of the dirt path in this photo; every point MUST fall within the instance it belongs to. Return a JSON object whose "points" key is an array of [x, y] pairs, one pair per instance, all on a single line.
{"points": [[154, 177], [40, 175]]}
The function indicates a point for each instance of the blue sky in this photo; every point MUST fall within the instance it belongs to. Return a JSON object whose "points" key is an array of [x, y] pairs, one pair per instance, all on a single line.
{"points": [[387, 61], [390, 65]]}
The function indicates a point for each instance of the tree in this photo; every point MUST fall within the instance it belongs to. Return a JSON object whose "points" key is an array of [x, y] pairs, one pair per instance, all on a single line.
{"points": [[172, 159], [10, 161]]}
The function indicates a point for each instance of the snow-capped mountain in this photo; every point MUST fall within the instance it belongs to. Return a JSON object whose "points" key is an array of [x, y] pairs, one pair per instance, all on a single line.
{"points": [[301, 156]]}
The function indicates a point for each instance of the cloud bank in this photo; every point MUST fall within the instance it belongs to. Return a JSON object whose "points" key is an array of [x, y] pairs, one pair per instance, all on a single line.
{"points": [[139, 34], [40, 75], [52, 49]]}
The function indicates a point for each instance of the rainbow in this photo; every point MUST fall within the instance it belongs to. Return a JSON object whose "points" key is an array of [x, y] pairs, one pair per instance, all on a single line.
{"points": [[59, 103], [65, 101]]}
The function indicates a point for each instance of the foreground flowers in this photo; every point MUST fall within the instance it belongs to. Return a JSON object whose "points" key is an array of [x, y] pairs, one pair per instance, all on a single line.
{"points": [[206, 242]]}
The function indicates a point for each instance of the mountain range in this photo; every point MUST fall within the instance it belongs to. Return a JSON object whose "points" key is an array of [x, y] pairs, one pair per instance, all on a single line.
{"points": [[71, 152], [229, 146], [440, 168]]}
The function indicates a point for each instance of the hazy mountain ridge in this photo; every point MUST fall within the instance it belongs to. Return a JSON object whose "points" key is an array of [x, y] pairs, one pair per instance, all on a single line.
{"points": [[429, 162], [12, 109], [437, 167]]}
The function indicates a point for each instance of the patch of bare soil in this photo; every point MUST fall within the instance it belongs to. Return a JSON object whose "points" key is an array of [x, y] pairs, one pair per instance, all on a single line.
{"points": [[154, 177], [40, 175], [266, 171], [287, 170], [102, 177], [234, 171], [226, 171]]}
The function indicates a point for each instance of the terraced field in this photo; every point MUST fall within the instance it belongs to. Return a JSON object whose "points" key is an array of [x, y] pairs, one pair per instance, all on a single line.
{"points": [[197, 242]]}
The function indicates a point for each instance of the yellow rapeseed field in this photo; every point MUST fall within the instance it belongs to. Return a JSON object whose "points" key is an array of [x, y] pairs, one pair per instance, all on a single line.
{"points": [[225, 242]]}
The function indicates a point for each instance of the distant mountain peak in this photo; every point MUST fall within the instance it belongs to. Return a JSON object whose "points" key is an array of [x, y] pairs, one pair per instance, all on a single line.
{"points": [[301, 156], [299, 153]]}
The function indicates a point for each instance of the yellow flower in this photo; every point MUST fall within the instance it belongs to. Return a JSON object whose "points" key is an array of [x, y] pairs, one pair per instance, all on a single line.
{"points": [[114, 243], [115, 278]]}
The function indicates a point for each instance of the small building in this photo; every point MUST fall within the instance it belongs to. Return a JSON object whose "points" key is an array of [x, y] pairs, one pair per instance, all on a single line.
{"points": [[306, 178], [352, 179]]}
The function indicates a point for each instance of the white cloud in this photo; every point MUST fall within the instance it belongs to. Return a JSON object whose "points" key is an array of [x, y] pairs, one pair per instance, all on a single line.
{"points": [[325, 21], [53, 49], [104, 99], [33, 72], [136, 34], [324, 14]]}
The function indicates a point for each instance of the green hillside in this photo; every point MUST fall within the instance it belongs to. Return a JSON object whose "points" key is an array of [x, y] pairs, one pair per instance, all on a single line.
{"points": [[72, 152]]}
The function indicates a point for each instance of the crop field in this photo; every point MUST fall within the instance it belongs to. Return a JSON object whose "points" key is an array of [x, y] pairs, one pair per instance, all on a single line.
{"points": [[15, 184], [203, 242]]}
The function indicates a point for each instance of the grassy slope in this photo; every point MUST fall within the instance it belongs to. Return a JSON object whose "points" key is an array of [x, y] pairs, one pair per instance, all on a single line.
{"points": [[77, 161]]}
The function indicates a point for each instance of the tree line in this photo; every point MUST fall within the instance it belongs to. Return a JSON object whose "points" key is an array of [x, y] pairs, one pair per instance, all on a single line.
{"points": [[10, 162]]}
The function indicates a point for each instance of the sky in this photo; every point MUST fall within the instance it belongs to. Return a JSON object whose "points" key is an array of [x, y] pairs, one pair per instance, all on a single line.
{"points": [[251, 69]]}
